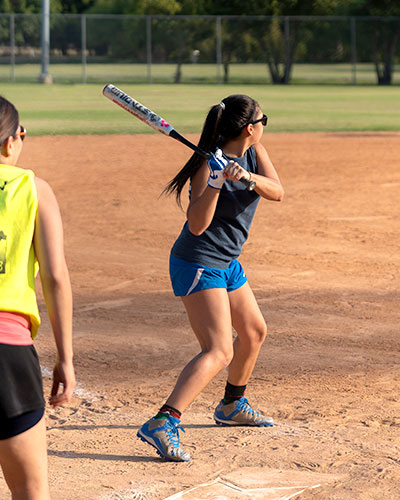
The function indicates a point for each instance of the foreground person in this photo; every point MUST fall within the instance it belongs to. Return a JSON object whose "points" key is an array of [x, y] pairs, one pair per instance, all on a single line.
{"points": [[206, 274], [31, 233]]}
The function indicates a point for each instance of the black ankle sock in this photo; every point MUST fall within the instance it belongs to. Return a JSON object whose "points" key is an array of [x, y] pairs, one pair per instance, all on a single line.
{"points": [[167, 410], [233, 392]]}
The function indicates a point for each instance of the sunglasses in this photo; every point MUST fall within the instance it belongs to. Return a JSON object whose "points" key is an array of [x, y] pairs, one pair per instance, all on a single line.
{"points": [[263, 120], [22, 132]]}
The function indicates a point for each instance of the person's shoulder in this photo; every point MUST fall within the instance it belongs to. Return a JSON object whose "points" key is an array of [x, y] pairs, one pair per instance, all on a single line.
{"points": [[41, 184], [43, 189], [257, 148], [251, 153]]}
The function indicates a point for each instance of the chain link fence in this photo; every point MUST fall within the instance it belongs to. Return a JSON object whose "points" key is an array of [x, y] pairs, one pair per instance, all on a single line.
{"points": [[203, 49]]}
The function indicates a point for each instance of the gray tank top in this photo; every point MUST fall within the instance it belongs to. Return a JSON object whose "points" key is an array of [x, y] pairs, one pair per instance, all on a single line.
{"points": [[222, 241]]}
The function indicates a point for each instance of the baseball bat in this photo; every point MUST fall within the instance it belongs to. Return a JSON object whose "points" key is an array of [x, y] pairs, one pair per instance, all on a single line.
{"points": [[156, 122]]}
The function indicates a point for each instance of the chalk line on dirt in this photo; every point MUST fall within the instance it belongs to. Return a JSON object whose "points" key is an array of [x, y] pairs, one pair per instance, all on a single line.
{"points": [[256, 483], [223, 490], [105, 304], [124, 495], [79, 391]]}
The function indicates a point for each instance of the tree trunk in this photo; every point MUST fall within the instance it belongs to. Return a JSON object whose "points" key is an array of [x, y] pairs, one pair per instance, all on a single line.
{"points": [[226, 71], [384, 69], [272, 63], [178, 73], [280, 76]]}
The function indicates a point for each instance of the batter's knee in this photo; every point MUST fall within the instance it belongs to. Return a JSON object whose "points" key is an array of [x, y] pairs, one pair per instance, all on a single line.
{"points": [[222, 357], [257, 334]]}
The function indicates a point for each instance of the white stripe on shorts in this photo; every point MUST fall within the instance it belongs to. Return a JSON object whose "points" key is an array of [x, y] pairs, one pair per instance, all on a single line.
{"points": [[196, 280]]}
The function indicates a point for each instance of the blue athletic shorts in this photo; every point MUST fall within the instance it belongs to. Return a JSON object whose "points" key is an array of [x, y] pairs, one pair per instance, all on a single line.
{"points": [[188, 277]]}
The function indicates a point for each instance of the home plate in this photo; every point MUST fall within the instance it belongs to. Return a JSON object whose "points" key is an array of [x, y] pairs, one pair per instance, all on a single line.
{"points": [[256, 483]]}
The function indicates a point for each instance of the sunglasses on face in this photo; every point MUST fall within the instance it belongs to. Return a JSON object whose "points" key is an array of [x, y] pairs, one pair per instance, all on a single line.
{"points": [[263, 120], [21, 133]]}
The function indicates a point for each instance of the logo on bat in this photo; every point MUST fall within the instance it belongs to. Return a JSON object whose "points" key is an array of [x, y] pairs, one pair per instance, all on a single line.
{"points": [[137, 109], [119, 94]]}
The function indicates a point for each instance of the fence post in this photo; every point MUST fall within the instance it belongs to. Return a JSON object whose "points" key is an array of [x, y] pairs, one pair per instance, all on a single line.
{"points": [[287, 49], [353, 49], [149, 49], [218, 44], [83, 47], [45, 76], [12, 46]]}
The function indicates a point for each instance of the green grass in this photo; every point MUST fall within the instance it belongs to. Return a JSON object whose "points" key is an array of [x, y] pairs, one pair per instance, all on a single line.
{"points": [[194, 73], [82, 109]]}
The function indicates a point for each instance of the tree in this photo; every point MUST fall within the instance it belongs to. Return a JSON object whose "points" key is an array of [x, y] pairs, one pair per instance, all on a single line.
{"points": [[56, 6], [281, 39], [272, 37], [235, 30], [139, 7], [380, 34], [20, 6], [75, 6]]}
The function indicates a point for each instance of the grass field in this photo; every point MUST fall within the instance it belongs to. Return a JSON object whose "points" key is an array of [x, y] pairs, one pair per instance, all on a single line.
{"points": [[249, 73], [82, 109]]}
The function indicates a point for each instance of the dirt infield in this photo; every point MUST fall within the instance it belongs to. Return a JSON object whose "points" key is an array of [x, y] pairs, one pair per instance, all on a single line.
{"points": [[324, 266]]}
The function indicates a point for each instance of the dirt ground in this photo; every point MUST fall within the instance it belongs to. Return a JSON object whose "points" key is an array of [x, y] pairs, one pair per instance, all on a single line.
{"points": [[324, 267]]}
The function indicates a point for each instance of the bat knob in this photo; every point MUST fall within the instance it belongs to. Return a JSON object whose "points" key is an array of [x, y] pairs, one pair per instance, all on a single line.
{"points": [[250, 185]]}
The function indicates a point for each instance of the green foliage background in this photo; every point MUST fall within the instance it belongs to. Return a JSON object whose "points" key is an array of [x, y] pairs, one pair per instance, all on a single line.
{"points": [[118, 32], [220, 7]]}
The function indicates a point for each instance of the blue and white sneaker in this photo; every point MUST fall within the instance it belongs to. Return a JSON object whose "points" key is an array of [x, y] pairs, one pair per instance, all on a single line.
{"points": [[240, 412], [163, 434]]}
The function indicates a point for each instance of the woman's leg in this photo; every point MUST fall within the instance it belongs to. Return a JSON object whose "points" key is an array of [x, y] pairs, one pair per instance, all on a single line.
{"points": [[251, 332], [23, 459], [210, 318]]}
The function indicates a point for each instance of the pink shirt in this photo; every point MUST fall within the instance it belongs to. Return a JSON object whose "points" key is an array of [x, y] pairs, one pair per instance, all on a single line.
{"points": [[15, 329]]}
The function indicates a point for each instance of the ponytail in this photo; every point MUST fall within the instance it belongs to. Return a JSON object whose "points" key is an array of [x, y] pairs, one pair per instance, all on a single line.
{"points": [[208, 141], [224, 121]]}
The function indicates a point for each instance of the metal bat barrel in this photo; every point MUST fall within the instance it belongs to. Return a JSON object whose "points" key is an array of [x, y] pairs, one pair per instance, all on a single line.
{"points": [[137, 109]]}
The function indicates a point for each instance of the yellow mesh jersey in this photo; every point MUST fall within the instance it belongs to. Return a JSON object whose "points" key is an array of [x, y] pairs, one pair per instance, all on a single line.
{"points": [[18, 263]]}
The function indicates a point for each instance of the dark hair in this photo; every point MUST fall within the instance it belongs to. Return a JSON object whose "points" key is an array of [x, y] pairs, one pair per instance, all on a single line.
{"points": [[9, 119], [224, 121]]}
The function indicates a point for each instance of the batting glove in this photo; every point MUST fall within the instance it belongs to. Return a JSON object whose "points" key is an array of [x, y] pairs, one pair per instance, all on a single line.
{"points": [[217, 164]]}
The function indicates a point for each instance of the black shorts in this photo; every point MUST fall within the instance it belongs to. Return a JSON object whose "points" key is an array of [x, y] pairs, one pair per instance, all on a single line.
{"points": [[10, 427], [21, 388]]}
